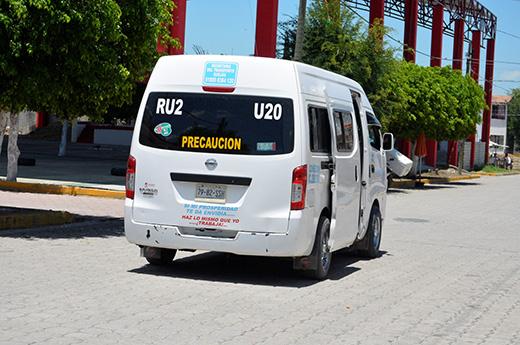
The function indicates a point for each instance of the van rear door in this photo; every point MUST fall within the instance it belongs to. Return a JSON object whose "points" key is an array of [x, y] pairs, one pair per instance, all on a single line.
{"points": [[215, 161]]}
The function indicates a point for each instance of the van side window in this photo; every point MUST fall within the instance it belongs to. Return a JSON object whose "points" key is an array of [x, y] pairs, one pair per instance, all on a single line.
{"points": [[319, 126], [374, 134], [344, 131], [374, 131]]}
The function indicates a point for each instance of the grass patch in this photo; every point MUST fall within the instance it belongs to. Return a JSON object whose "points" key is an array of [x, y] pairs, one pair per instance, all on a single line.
{"points": [[495, 170]]}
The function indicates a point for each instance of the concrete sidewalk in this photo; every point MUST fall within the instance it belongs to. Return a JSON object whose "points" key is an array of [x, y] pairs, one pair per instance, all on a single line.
{"points": [[85, 165]]}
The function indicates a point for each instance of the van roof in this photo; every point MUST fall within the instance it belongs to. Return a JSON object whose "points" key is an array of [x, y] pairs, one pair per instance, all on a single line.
{"points": [[184, 68]]}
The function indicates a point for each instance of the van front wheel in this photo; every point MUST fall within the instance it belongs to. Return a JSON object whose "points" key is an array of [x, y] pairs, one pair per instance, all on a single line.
{"points": [[369, 245], [321, 251]]}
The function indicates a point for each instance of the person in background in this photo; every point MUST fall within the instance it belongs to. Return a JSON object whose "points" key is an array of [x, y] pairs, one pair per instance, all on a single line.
{"points": [[508, 162]]}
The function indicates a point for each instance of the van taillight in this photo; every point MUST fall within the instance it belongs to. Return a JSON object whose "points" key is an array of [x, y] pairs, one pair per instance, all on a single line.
{"points": [[130, 177], [299, 187]]}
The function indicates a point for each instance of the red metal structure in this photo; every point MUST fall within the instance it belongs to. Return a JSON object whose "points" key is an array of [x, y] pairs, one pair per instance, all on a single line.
{"points": [[266, 28], [476, 37], [377, 11], [458, 52], [488, 89], [456, 18], [410, 29], [178, 28], [435, 61]]}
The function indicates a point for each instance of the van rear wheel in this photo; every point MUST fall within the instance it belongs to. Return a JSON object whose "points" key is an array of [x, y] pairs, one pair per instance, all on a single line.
{"points": [[165, 257], [321, 254]]}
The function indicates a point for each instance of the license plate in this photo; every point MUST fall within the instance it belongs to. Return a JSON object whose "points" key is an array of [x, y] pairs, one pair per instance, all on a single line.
{"points": [[206, 192]]}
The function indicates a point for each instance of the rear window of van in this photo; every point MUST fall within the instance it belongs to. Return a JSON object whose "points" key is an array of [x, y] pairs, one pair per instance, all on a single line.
{"points": [[218, 123]]}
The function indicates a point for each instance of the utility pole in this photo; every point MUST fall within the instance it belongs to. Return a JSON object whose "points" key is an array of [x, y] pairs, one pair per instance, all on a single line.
{"points": [[300, 31]]}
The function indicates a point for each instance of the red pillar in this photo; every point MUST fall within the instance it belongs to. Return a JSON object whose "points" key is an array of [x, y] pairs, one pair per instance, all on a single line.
{"points": [[458, 51], [410, 44], [410, 29], [437, 32], [266, 27], [377, 11], [488, 88], [476, 37], [435, 61], [178, 29], [458, 44]]}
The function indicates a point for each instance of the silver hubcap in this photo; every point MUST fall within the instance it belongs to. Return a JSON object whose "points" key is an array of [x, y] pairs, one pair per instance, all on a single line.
{"points": [[376, 228], [325, 251]]}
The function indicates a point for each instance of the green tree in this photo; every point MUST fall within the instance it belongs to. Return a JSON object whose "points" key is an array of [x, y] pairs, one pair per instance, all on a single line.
{"points": [[513, 120], [440, 102], [75, 58], [338, 41]]}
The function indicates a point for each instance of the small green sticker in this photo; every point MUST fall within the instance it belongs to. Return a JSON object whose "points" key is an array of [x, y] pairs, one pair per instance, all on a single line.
{"points": [[164, 129]]}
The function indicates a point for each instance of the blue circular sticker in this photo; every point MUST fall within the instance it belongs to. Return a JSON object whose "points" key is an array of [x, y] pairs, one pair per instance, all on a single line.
{"points": [[164, 129]]}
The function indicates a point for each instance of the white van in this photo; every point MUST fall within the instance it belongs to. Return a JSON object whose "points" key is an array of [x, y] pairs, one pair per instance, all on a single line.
{"points": [[255, 156]]}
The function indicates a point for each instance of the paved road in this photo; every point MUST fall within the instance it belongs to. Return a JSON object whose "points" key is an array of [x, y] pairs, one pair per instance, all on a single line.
{"points": [[450, 275]]}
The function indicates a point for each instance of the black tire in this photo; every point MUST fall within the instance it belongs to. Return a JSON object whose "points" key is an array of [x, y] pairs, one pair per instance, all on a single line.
{"points": [[166, 258], [369, 245], [321, 251]]}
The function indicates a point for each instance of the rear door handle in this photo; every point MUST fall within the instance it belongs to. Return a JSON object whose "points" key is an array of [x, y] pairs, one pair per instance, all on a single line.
{"points": [[355, 173]]}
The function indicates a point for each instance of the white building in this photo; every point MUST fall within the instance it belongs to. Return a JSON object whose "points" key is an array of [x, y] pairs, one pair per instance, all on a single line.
{"points": [[498, 131]]}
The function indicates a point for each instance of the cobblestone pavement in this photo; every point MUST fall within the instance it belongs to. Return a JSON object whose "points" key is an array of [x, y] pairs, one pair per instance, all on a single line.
{"points": [[450, 274]]}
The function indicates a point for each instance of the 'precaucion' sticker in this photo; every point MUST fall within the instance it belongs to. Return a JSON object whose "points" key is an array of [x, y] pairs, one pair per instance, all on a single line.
{"points": [[196, 142]]}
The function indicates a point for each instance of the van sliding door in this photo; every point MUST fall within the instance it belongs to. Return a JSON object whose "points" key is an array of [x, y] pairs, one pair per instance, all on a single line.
{"points": [[345, 180]]}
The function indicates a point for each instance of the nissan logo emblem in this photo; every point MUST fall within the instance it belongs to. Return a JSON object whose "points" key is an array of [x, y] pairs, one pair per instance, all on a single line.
{"points": [[211, 164]]}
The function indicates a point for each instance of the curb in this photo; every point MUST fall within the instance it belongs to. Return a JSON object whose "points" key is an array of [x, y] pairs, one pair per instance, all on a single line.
{"points": [[498, 174], [34, 218], [443, 180], [426, 181], [60, 189]]}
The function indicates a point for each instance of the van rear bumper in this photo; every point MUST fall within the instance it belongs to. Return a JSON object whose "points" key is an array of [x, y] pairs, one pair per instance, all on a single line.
{"points": [[298, 240]]}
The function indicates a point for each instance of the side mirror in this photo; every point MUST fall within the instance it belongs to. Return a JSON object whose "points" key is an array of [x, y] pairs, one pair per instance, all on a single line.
{"points": [[388, 141]]}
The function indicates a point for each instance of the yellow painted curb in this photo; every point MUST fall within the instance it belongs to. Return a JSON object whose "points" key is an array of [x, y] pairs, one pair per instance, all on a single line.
{"points": [[60, 189], [451, 179], [509, 173], [31, 219], [486, 174]]}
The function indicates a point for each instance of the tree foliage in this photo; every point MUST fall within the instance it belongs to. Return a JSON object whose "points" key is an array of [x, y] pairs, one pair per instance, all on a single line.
{"points": [[339, 42], [513, 120], [74, 58], [409, 99], [441, 102]]}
